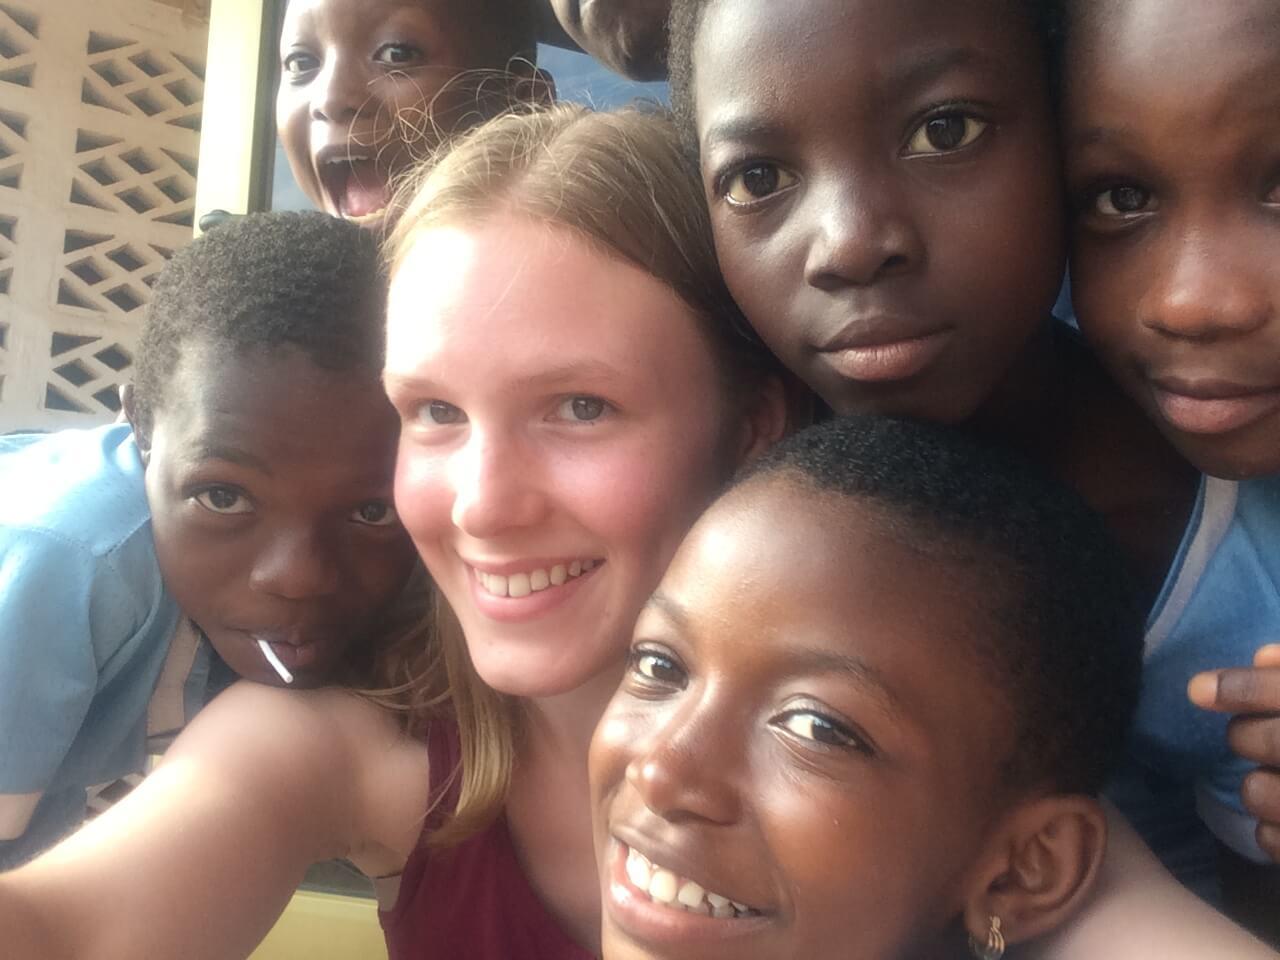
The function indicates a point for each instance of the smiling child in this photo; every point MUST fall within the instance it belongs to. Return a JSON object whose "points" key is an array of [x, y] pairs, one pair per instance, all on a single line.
{"points": [[864, 712], [903, 258], [249, 493], [369, 86], [1173, 157]]}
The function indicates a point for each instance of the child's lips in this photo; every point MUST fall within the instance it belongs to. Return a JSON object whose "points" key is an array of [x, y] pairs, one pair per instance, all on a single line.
{"points": [[1212, 407]]}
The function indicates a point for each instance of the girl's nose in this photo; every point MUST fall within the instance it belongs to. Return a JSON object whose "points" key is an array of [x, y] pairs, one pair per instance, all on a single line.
{"points": [[296, 565], [495, 487], [338, 91], [684, 772], [862, 233], [1209, 290]]}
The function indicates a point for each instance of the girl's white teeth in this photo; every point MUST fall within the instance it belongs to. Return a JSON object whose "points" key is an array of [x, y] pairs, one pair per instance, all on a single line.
{"points": [[522, 584], [666, 888]]}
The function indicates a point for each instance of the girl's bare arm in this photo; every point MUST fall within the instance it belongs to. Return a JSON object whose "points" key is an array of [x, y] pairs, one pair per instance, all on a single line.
{"points": [[1140, 912], [200, 860]]}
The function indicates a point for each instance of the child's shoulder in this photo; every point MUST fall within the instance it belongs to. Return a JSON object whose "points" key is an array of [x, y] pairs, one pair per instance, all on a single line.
{"points": [[82, 488]]}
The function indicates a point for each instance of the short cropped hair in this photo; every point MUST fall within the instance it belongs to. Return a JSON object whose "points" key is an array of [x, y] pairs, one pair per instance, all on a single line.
{"points": [[304, 280], [686, 20], [1066, 639]]}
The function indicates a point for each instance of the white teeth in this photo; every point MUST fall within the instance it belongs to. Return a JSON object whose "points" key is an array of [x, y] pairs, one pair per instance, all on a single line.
{"points": [[690, 894], [519, 585], [663, 886], [638, 870], [666, 888]]}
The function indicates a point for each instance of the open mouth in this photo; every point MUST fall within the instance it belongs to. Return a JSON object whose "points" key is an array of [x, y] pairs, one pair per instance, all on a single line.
{"points": [[355, 187], [668, 889], [524, 583]]}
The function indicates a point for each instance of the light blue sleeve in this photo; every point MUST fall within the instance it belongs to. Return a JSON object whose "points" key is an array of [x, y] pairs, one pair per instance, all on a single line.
{"points": [[48, 668]]}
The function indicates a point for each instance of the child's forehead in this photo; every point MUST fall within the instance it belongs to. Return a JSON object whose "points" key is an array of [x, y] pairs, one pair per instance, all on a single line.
{"points": [[811, 54], [445, 15]]}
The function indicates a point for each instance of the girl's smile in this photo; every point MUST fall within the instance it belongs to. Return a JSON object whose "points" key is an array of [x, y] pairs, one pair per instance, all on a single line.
{"points": [[558, 439]]}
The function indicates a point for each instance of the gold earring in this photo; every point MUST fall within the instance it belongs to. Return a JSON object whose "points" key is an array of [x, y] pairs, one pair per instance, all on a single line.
{"points": [[993, 949]]}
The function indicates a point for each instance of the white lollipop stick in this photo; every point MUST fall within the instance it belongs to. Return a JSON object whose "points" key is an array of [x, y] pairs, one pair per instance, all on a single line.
{"points": [[276, 665]]}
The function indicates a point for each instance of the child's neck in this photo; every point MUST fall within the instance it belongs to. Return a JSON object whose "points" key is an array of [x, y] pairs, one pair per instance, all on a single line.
{"points": [[1062, 410]]}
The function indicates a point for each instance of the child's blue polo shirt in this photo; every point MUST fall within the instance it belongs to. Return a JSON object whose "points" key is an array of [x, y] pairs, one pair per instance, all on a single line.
{"points": [[1219, 604], [85, 622]]}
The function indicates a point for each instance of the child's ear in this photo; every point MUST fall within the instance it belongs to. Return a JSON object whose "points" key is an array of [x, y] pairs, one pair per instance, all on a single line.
{"points": [[129, 408], [767, 420], [1041, 865]]}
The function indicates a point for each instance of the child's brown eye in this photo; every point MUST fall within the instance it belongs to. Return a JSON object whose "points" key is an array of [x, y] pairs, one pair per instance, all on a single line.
{"points": [[375, 513], [397, 54], [945, 133], [756, 182], [224, 500], [657, 668], [299, 64], [1122, 201]]}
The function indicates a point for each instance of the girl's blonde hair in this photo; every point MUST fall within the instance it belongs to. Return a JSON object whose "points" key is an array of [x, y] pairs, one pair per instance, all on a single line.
{"points": [[621, 181]]}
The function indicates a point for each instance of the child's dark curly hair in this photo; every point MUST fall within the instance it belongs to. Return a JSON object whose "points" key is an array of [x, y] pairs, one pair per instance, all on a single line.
{"points": [[1064, 648], [687, 15], [304, 280]]}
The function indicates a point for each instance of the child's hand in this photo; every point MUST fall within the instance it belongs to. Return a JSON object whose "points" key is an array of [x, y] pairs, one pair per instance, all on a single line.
{"points": [[1254, 695]]}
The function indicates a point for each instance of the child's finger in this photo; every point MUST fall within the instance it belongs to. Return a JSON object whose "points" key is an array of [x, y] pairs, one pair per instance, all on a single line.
{"points": [[1244, 690], [1261, 793], [1257, 739], [1268, 656], [1269, 840]]}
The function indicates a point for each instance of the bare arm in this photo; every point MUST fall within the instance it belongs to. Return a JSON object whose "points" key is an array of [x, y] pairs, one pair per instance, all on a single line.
{"points": [[200, 860], [1140, 912]]}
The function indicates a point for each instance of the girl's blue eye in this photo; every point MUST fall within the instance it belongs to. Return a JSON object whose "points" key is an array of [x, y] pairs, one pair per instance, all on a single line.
{"points": [[397, 54], [440, 412], [226, 501], [375, 513], [756, 182], [945, 133], [299, 64], [657, 668], [1123, 201], [583, 409]]}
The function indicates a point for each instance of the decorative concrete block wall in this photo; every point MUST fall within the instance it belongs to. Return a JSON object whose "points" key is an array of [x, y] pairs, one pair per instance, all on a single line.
{"points": [[99, 133]]}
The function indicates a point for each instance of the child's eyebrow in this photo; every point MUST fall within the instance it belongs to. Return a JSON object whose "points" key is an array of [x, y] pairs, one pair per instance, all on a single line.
{"points": [[212, 450], [929, 67], [809, 661], [669, 608], [739, 128]]}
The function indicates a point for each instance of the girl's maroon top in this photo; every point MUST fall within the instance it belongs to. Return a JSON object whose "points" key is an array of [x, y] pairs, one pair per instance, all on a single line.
{"points": [[472, 901]]}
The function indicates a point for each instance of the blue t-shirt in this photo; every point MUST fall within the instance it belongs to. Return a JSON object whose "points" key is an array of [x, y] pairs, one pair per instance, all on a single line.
{"points": [[1219, 604], [85, 622]]}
